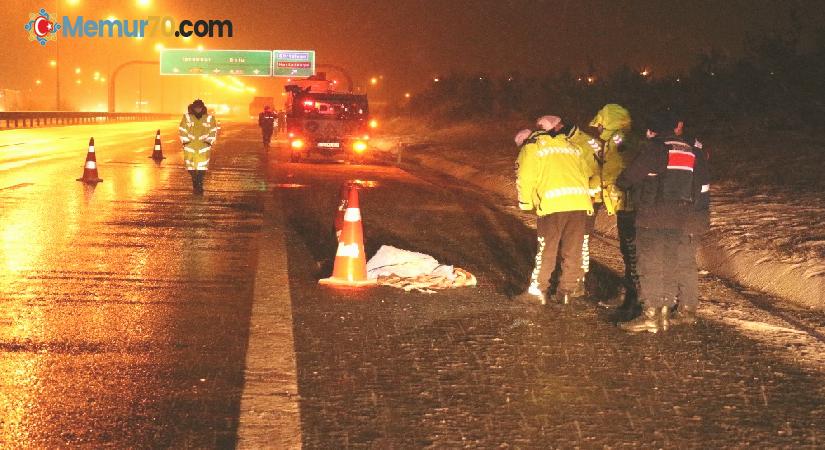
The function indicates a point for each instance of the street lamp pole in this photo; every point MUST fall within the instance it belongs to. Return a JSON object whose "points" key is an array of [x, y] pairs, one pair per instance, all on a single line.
{"points": [[57, 71]]}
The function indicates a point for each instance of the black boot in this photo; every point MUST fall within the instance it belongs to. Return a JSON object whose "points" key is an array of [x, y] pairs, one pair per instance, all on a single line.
{"points": [[647, 321]]}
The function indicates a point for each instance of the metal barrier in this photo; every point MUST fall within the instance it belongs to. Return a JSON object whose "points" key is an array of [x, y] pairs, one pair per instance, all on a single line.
{"points": [[46, 118]]}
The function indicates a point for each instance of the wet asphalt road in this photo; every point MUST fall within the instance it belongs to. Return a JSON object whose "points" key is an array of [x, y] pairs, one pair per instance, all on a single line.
{"points": [[125, 310]]}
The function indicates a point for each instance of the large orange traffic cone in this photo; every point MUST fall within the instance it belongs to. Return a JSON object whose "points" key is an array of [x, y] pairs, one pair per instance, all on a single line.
{"points": [[343, 199], [90, 168], [157, 153], [350, 267]]}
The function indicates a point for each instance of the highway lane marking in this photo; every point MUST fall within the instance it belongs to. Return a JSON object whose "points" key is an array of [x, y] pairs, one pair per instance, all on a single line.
{"points": [[269, 412], [16, 186]]}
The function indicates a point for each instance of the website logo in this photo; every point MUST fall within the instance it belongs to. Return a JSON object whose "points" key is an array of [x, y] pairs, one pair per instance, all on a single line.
{"points": [[41, 28]]}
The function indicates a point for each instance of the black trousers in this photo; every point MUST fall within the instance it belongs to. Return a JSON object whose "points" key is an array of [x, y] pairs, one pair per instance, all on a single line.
{"points": [[559, 235], [667, 268], [626, 227], [197, 179], [267, 135]]}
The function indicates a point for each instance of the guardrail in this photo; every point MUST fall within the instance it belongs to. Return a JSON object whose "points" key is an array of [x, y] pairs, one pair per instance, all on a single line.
{"points": [[43, 118]]}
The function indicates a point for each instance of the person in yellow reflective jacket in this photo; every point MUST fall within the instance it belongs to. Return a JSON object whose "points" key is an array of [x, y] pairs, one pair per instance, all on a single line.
{"points": [[590, 146], [618, 149], [198, 131], [552, 178]]}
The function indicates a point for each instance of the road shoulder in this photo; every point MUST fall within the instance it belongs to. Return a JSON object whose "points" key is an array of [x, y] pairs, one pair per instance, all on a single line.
{"points": [[269, 412]]}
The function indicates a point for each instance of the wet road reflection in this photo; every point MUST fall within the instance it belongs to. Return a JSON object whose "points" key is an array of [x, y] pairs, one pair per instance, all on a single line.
{"points": [[123, 306]]}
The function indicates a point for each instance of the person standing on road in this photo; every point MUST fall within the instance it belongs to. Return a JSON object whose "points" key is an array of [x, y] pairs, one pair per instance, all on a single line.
{"points": [[552, 178], [267, 120], [198, 132], [281, 121], [589, 147], [670, 186], [618, 149]]}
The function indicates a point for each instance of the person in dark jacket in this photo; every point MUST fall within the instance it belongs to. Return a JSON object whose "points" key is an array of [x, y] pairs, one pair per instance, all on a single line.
{"points": [[267, 120], [669, 184]]}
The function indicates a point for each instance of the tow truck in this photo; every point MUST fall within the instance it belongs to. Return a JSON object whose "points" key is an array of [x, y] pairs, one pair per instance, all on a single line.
{"points": [[325, 122]]}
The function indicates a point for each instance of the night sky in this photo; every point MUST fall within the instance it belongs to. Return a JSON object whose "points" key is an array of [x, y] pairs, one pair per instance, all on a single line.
{"points": [[408, 42]]}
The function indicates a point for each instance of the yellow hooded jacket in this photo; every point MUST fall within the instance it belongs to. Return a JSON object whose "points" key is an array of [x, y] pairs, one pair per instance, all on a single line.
{"points": [[552, 176], [616, 154]]}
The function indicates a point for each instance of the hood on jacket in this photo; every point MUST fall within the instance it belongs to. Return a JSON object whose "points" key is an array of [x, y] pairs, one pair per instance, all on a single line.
{"points": [[612, 117], [191, 108]]}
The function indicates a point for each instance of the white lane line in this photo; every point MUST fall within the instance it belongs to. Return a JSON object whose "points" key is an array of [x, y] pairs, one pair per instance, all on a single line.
{"points": [[269, 413]]}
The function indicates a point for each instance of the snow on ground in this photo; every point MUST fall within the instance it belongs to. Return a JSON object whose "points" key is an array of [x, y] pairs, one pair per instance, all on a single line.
{"points": [[767, 227], [484, 155]]}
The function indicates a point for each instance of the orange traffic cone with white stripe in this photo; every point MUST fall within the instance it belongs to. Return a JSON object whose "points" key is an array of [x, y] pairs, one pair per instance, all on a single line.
{"points": [[350, 267], [90, 168], [157, 153]]}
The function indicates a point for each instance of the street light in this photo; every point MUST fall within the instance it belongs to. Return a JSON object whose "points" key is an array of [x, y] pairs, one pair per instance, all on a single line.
{"points": [[143, 3], [406, 95], [38, 82], [53, 63], [373, 81], [77, 70]]}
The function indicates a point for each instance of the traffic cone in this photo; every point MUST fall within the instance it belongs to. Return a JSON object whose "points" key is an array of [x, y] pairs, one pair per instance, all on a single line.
{"points": [[350, 268], [90, 168], [343, 199], [157, 153]]}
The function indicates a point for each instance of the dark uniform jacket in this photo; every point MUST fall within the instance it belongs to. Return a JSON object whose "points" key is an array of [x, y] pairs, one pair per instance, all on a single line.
{"points": [[669, 182], [266, 120]]}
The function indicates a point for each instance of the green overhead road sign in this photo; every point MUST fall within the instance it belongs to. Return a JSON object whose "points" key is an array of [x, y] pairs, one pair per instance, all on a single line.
{"points": [[293, 63], [250, 63]]}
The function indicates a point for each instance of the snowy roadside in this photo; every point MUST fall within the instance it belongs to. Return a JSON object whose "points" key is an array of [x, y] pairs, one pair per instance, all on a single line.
{"points": [[767, 231]]}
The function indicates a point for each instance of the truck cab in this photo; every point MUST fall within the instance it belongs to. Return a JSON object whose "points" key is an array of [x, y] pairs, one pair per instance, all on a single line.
{"points": [[327, 123]]}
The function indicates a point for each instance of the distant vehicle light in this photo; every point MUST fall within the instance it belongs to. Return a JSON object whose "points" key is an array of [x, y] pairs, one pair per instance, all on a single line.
{"points": [[373, 123], [291, 135], [359, 146], [297, 143], [309, 103]]}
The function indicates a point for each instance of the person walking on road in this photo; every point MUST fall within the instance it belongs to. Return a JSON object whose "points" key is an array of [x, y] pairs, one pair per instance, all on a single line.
{"points": [[669, 182], [552, 178], [198, 132], [617, 150], [267, 120]]}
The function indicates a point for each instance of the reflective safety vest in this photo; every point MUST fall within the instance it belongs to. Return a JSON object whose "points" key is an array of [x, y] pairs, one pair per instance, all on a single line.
{"points": [[552, 176], [197, 137], [589, 146]]}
